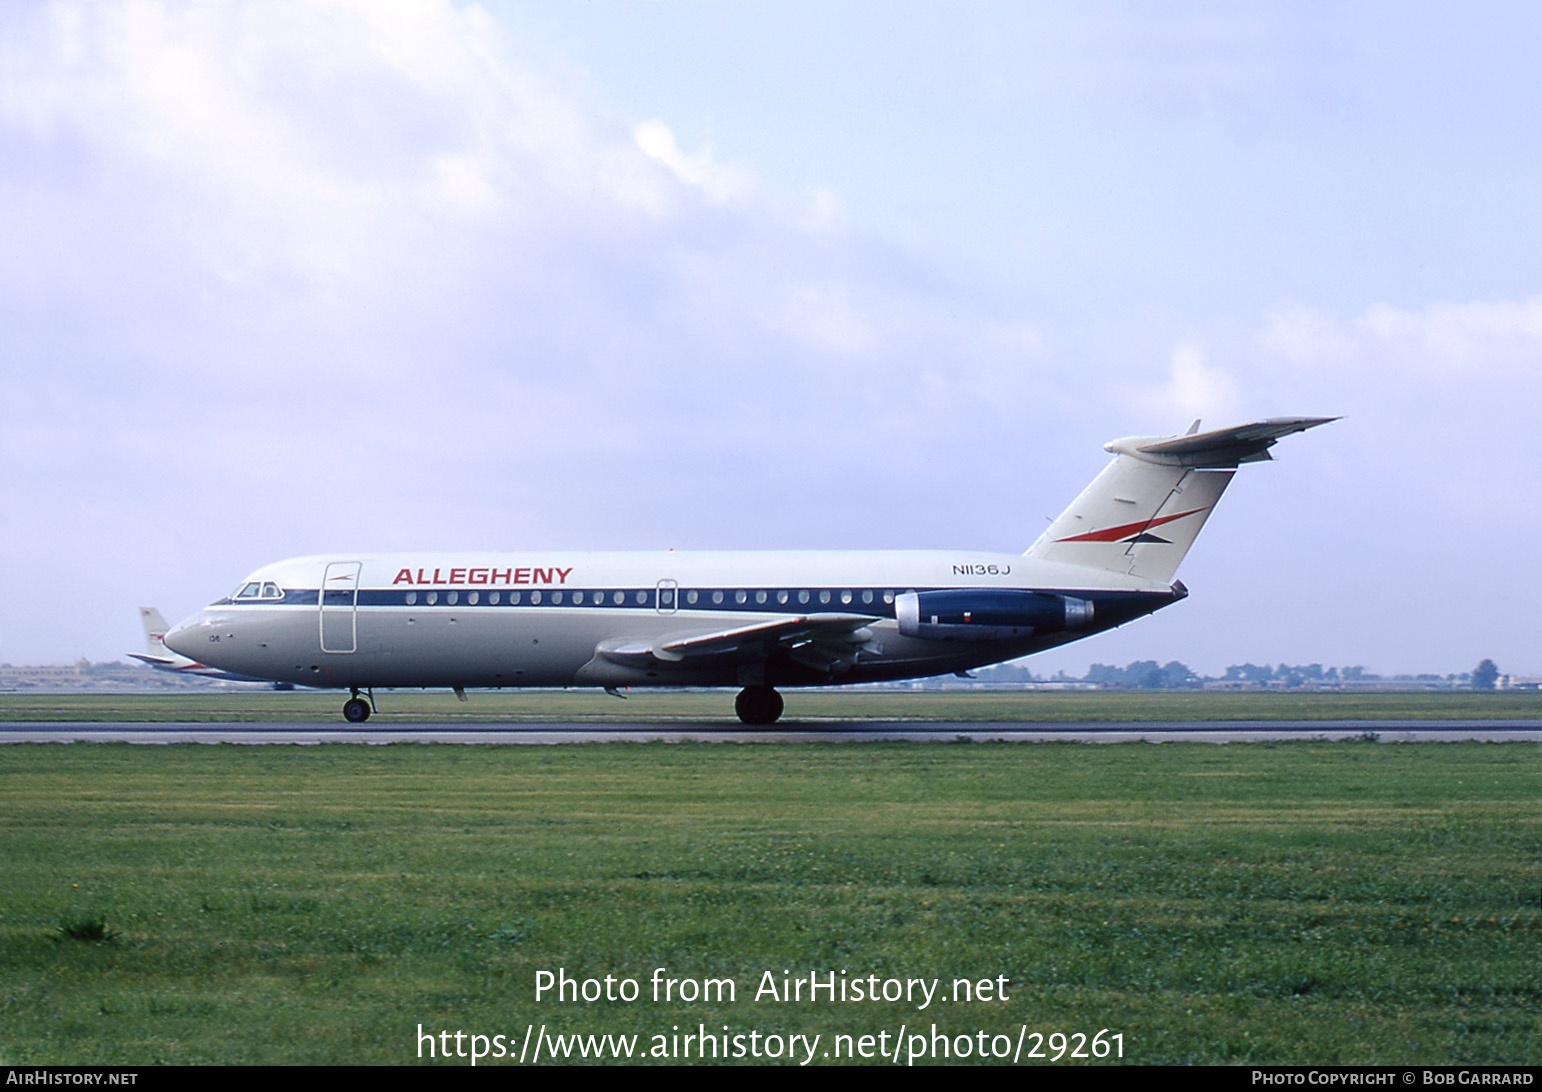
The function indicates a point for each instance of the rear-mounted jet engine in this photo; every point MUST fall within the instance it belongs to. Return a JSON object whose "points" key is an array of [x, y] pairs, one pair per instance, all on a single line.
{"points": [[970, 614]]}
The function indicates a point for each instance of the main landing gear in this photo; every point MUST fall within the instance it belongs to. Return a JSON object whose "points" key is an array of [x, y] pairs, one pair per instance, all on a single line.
{"points": [[356, 710], [758, 705]]}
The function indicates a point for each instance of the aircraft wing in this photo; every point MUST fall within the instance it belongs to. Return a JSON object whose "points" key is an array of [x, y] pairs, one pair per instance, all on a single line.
{"points": [[821, 641]]}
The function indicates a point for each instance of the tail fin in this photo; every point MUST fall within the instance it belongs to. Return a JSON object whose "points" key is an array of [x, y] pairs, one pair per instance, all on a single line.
{"points": [[155, 631], [1144, 511]]}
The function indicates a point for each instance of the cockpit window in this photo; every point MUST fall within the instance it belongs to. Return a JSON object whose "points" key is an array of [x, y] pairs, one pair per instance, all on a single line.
{"points": [[254, 590]]}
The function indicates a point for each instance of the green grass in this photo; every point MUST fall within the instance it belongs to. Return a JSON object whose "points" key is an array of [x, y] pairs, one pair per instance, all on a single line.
{"points": [[1293, 903], [256, 705]]}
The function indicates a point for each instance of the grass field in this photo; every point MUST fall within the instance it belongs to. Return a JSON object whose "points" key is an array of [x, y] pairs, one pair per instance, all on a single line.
{"points": [[1270, 903], [256, 705]]}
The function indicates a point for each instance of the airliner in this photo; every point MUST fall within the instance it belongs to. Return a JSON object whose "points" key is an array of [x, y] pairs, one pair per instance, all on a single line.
{"points": [[752, 620]]}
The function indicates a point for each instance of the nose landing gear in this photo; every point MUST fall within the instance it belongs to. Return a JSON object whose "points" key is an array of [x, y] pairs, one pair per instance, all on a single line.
{"points": [[758, 705], [356, 710]]}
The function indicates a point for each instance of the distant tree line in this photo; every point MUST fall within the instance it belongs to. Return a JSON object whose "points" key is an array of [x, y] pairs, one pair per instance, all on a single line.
{"points": [[1144, 675], [1174, 675]]}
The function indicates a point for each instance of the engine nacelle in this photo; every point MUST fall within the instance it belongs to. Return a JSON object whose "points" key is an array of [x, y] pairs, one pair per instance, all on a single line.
{"points": [[987, 614]]}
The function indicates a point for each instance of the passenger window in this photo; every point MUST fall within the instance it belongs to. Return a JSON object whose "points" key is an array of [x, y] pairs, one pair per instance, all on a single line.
{"points": [[888, 597], [515, 597], [578, 598], [412, 598], [452, 598], [618, 598], [495, 598], [867, 596], [803, 596], [741, 597], [760, 597], [717, 598], [690, 597], [824, 596], [781, 597], [846, 598], [535, 598], [473, 598], [642, 599], [433, 597], [556, 597]]}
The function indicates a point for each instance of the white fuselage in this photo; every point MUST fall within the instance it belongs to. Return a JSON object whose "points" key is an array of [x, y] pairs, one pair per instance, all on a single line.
{"points": [[559, 618]]}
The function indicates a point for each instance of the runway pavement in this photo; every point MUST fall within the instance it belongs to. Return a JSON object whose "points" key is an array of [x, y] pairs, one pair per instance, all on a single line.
{"points": [[795, 731]]}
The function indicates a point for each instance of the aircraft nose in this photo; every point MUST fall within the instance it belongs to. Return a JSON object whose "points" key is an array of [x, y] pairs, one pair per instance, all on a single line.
{"points": [[181, 637]]}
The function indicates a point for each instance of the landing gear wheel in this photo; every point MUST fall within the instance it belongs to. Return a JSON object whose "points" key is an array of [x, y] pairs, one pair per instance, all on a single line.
{"points": [[758, 705], [356, 710]]}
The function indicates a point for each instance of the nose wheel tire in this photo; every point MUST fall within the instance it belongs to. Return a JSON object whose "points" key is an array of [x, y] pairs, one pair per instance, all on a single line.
{"points": [[758, 705], [356, 710]]}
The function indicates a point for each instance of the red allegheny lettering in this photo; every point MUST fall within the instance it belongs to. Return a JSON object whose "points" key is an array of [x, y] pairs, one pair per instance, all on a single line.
{"points": [[484, 576]]}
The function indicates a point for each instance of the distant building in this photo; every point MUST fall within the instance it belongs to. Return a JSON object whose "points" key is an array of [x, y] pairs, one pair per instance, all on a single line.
{"points": [[1519, 682], [85, 676]]}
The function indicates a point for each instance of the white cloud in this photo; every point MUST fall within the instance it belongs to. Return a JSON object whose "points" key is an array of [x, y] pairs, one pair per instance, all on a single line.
{"points": [[318, 141], [721, 183], [1440, 339], [1476, 337], [1194, 389]]}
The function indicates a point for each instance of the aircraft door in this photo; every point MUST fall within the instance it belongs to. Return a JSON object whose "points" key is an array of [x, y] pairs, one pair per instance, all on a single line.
{"points": [[339, 607], [668, 596]]}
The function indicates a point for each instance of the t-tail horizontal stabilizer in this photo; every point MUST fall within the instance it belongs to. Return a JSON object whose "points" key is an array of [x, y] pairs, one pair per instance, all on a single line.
{"points": [[1144, 511]]}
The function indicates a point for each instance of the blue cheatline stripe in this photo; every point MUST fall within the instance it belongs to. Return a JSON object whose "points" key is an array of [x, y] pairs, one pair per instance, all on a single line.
{"points": [[642, 599]]}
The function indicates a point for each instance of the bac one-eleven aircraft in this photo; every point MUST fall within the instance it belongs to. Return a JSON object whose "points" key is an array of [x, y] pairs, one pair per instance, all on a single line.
{"points": [[754, 620]]}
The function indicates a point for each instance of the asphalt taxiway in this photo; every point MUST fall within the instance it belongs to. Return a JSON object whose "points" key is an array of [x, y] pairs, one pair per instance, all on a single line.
{"points": [[792, 731]]}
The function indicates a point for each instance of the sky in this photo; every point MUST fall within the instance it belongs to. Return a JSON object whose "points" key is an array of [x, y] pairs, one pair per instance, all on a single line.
{"points": [[279, 279]]}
